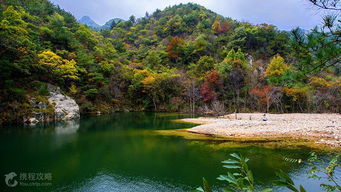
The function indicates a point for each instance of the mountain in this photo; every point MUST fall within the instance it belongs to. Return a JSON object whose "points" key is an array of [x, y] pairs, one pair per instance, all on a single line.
{"points": [[86, 20], [109, 23], [178, 59]]}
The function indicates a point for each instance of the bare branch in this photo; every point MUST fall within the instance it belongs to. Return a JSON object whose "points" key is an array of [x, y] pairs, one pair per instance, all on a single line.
{"points": [[327, 4]]}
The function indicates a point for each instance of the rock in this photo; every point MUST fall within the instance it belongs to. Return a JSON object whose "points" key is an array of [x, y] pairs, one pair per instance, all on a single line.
{"points": [[250, 58], [64, 107], [57, 106], [31, 121], [38, 114]]}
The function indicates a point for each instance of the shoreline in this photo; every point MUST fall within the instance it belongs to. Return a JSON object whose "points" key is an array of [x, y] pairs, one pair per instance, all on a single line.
{"points": [[321, 129]]}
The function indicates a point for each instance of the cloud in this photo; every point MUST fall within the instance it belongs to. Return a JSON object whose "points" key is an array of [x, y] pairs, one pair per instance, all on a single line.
{"points": [[286, 14]]}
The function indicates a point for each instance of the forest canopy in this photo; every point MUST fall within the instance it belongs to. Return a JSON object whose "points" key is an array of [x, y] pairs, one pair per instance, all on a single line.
{"points": [[183, 58]]}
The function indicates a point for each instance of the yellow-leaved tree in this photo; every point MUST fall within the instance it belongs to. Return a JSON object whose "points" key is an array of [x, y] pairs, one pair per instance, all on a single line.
{"points": [[276, 67], [276, 70], [57, 66]]}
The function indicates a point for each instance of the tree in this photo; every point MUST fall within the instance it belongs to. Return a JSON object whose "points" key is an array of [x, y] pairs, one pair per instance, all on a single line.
{"points": [[327, 4], [175, 48], [17, 49], [233, 60], [200, 45], [235, 82], [325, 94], [233, 71], [152, 59], [175, 26], [203, 66], [57, 32], [86, 37], [297, 98], [316, 51], [219, 27], [56, 65], [132, 19], [276, 69], [237, 39], [268, 95], [208, 89], [320, 49], [191, 90], [152, 87]]}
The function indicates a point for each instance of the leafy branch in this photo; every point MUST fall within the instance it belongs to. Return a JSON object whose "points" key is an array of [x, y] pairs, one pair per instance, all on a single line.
{"points": [[242, 180]]}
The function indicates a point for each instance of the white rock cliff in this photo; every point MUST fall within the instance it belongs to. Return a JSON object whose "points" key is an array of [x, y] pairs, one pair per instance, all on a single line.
{"points": [[64, 107]]}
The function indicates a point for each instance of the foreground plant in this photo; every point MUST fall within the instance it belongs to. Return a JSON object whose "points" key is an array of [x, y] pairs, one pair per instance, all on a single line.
{"points": [[327, 169], [241, 179]]}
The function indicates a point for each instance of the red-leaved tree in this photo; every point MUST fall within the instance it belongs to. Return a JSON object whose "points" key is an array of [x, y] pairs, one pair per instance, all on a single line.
{"points": [[267, 95], [209, 87]]}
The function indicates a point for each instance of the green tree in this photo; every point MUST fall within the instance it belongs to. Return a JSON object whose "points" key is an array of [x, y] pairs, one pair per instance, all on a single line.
{"points": [[204, 65], [276, 69], [58, 33], [152, 59], [17, 50], [233, 70]]}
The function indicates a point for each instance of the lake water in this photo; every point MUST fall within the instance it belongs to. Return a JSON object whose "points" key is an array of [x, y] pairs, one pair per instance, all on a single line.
{"points": [[122, 152]]}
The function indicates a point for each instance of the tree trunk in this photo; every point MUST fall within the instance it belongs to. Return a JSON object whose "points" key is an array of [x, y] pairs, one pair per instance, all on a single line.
{"points": [[237, 100], [193, 98]]}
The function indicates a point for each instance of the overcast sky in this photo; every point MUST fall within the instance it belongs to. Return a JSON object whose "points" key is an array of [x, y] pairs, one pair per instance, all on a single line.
{"points": [[285, 14]]}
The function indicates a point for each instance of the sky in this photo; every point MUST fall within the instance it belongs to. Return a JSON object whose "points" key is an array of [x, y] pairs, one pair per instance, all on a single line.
{"points": [[285, 14]]}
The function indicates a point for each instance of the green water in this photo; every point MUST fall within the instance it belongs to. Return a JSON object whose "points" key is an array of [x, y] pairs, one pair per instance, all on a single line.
{"points": [[121, 152]]}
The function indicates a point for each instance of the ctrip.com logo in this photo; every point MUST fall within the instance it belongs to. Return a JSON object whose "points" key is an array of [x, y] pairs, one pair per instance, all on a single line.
{"points": [[28, 179], [9, 179]]}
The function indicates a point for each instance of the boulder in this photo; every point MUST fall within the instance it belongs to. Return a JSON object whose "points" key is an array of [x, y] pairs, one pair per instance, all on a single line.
{"points": [[64, 107], [31, 120], [56, 106], [38, 114]]}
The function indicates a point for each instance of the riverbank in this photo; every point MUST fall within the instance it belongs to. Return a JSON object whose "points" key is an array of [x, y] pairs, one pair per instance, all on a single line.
{"points": [[322, 129]]}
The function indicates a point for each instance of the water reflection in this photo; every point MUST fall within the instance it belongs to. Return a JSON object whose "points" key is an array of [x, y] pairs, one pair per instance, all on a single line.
{"points": [[121, 152], [116, 183], [66, 127], [65, 132]]}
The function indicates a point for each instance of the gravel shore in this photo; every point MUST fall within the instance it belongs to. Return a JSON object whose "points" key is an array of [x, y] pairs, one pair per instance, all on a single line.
{"points": [[322, 128]]}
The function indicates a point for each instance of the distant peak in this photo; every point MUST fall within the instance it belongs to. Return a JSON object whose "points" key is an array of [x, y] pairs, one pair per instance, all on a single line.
{"points": [[85, 17], [86, 20]]}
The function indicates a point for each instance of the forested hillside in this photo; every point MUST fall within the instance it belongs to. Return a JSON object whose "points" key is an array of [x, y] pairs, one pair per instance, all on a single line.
{"points": [[183, 58]]}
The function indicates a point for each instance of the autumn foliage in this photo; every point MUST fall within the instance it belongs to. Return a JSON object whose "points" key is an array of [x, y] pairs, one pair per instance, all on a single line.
{"points": [[60, 67], [262, 94], [276, 67], [209, 87], [174, 47], [219, 27], [163, 60]]}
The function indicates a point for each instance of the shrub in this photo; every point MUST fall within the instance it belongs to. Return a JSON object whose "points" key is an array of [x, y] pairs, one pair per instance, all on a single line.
{"points": [[90, 92]]}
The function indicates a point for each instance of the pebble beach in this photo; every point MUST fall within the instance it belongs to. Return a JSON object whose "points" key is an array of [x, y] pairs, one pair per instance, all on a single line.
{"points": [[321, 128]]}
